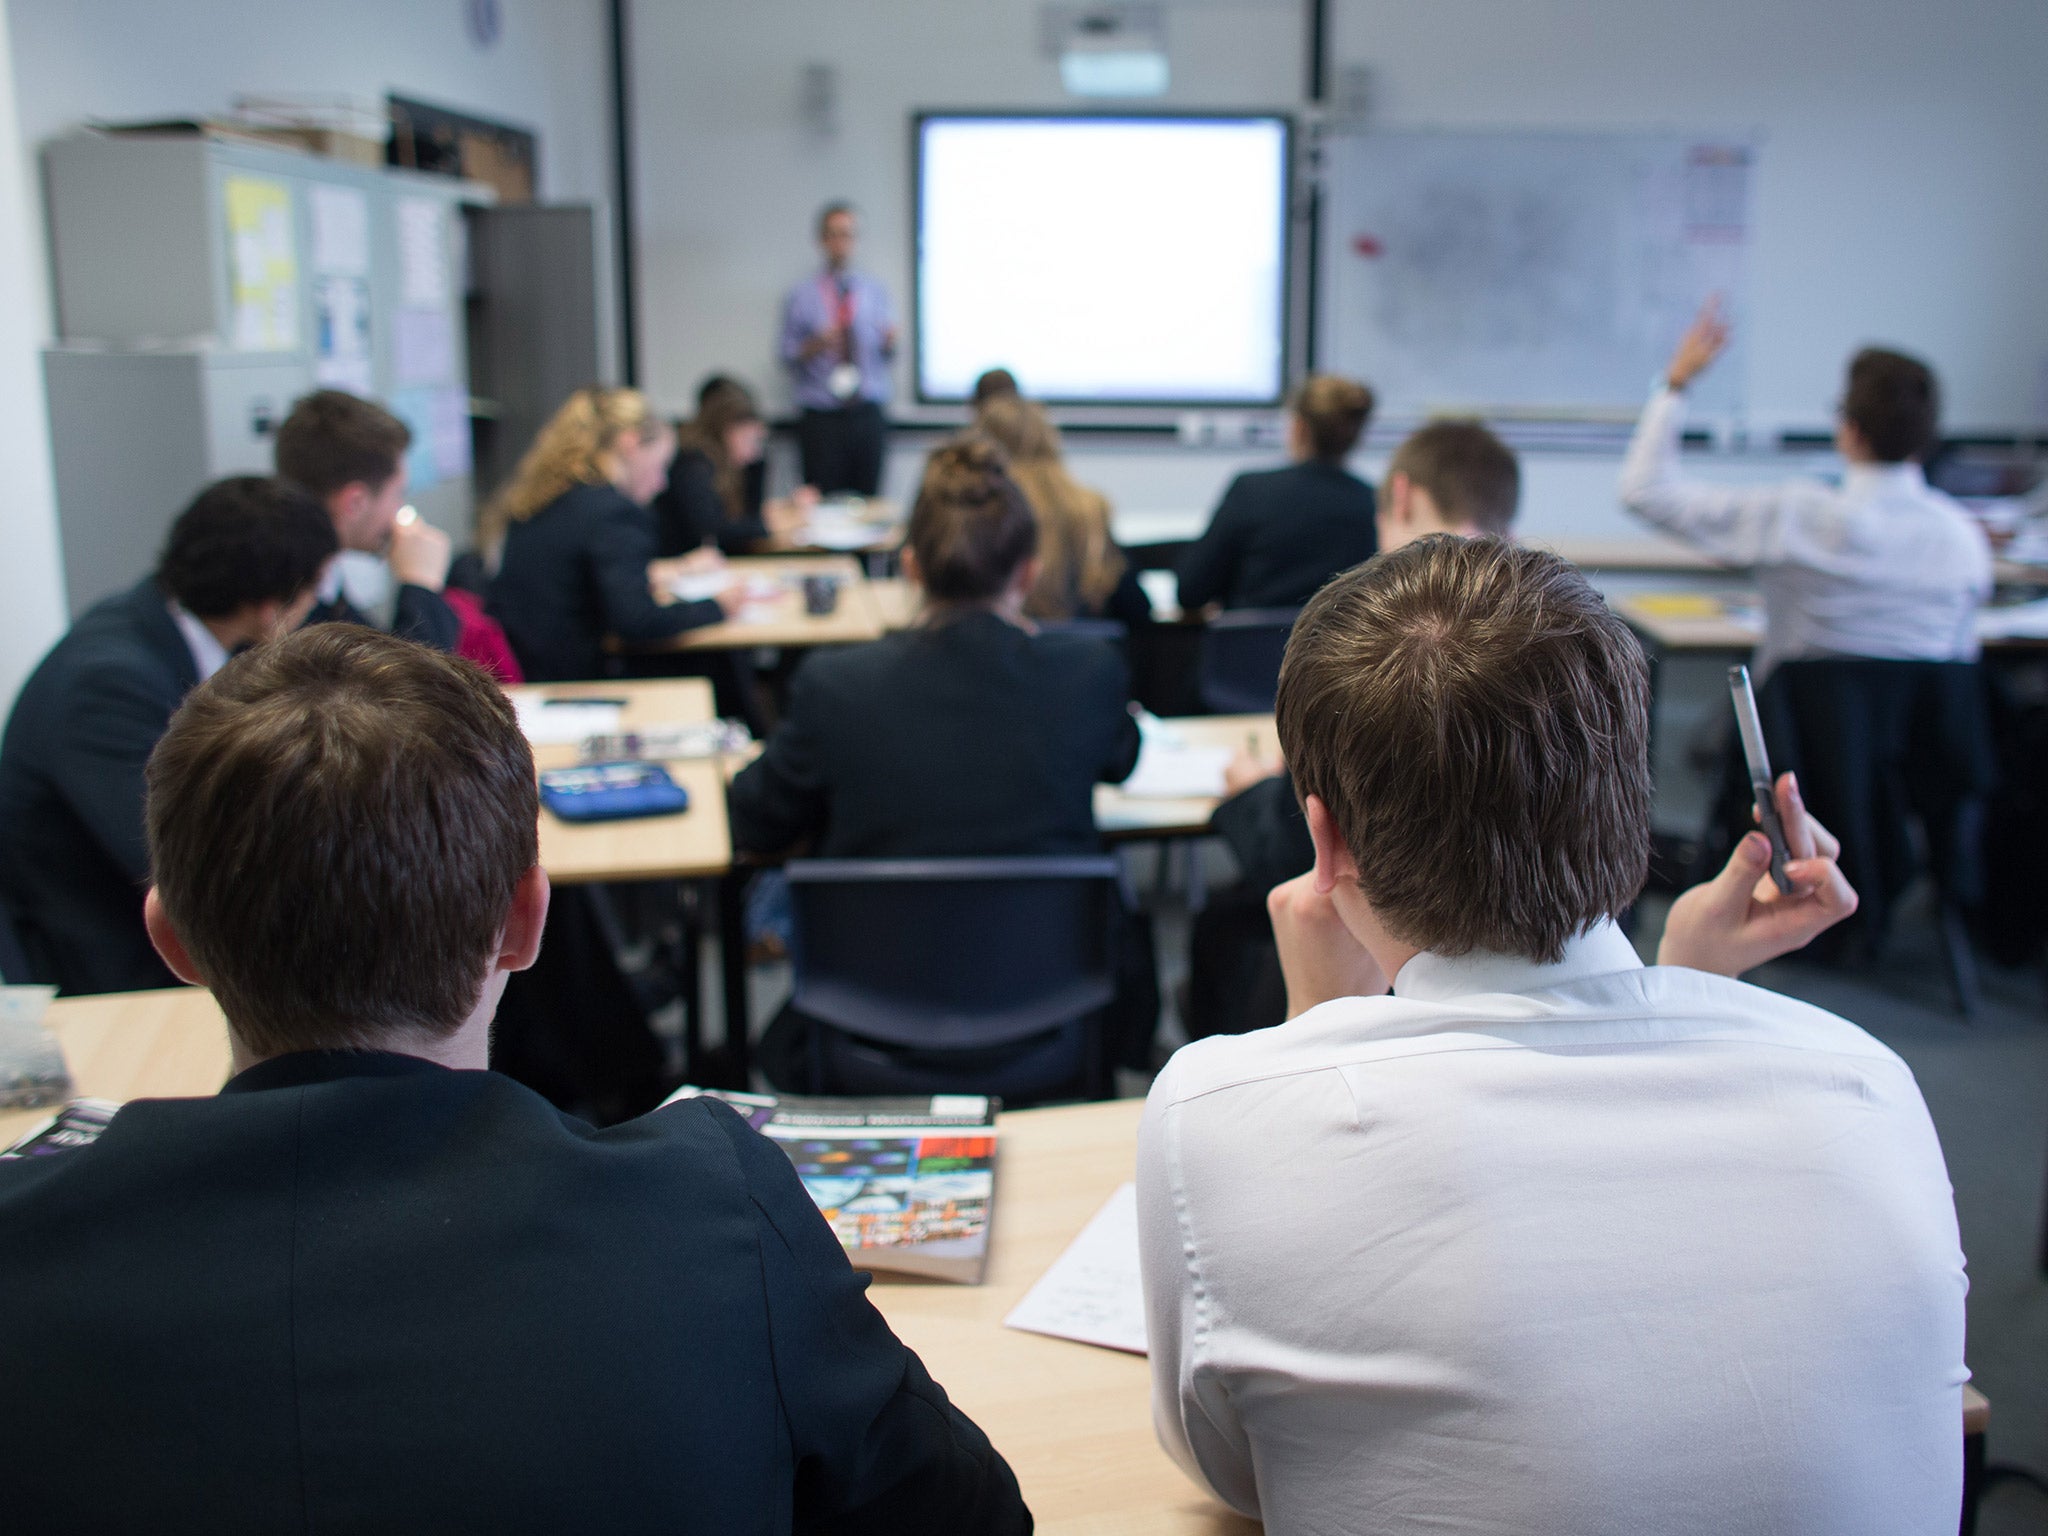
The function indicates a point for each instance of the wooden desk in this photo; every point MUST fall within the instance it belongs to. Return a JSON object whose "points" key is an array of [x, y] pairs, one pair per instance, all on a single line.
{"points": [[169, 1045], [1718, 624], [1074, 1421], [785, 623], [1125, 818], [694, 845]]}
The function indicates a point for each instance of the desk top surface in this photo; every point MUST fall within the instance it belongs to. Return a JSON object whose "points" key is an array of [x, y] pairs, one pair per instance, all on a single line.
{"points": [[1123, 817], [694, 844], [780, 620]]}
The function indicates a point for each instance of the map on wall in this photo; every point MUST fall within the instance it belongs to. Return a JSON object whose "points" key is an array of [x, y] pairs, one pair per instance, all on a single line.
{"points": [[1530, 273]]}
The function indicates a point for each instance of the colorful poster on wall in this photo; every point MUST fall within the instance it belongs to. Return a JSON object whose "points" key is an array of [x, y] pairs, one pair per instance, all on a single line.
{"points": [[341, 334], [263, 269]]}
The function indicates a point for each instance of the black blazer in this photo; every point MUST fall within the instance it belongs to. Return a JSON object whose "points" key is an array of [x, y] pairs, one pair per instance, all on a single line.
{"points": [[575, 572], [1278, 535], [689, 513], [421, 614], [73, 863], [1266, 832], [361, 1293], [971, 739]]}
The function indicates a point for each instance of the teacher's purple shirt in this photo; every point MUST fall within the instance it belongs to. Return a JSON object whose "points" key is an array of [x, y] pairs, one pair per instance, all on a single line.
{"points": [[808, 309]]}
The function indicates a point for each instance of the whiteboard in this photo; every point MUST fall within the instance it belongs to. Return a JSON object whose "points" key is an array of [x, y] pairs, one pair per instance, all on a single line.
{"points": [[1502, 273]]}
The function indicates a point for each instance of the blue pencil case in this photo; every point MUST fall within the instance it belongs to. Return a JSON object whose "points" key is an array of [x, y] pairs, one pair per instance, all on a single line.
{"points": [[612, 792]]}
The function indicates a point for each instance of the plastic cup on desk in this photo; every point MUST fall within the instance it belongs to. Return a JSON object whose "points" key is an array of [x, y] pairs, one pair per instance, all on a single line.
{"points": [[821, 595]]}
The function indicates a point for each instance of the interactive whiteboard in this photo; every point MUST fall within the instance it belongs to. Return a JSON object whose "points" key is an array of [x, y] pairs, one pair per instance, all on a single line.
{"points": [[1534, 272], [1119, 260]]}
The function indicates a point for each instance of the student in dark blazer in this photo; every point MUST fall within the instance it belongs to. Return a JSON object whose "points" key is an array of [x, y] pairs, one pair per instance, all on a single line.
{"points": [[241, 564], [1452, 476], [1279, 534], [717, 481], [578, 542], [372, 1286], [967, 735], [349, 454]]}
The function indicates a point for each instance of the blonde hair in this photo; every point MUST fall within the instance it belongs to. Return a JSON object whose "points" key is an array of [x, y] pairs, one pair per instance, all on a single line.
{"points": [[576, 447], [1333, 410], [1079, 564]]}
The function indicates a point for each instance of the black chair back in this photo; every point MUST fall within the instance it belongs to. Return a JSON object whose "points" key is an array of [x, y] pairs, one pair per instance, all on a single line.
{"points": [[974, 975], [1240, 662], [1114, 631], [1877, 746], [14, 969]]}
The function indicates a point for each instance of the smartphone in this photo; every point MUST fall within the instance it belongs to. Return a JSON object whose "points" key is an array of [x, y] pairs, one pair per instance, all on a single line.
{"points": [[1752, 731]]}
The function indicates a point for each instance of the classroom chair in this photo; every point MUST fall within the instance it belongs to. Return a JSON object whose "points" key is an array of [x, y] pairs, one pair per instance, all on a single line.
{"points": [[1894, 757], [1239, 670], [921, 976], [1114, 631]]}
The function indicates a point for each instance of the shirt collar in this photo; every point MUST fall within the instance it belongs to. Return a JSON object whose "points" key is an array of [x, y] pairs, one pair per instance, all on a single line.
{"points": [[1599, 951], [1907, 474], [208, 654], [300, 1068]]}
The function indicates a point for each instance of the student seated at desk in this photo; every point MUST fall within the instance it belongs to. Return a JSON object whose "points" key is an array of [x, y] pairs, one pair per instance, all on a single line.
{"points": [[1279, 534], [578, 540], [716, 482], [1451, 476], [241, 564], [1882, 566], [969, 735], [372, 1286], [1081, 572], [1545, 1240], [349, 454]]}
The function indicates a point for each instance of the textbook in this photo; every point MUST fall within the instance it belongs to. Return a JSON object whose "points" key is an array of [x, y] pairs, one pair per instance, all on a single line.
{"points": [[77, 1124], [906, 1184]]}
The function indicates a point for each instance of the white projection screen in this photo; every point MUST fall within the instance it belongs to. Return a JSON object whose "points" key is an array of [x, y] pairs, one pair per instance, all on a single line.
{"points": [[1104, 260]]}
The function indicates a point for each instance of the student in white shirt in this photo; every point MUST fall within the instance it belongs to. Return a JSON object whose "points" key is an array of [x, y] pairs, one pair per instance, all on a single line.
{"points": [[1881, 566], [1545, 1241]]}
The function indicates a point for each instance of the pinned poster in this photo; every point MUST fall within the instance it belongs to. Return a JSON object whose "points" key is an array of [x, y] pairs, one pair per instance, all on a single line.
{"points": [[263, 269], [341, 334], [423, 277], [341, 231]]}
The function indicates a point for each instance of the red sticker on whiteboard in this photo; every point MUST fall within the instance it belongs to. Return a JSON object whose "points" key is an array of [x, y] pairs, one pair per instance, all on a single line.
{"points": [[1368, 246]]}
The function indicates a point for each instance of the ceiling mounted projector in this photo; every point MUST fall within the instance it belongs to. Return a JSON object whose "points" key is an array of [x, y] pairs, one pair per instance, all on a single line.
{"points": [[1108, 50]]}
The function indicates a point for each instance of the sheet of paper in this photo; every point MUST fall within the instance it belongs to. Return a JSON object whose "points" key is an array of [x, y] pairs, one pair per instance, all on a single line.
{"points": [[695, 586], [1093, 1293], [263, 272], [565, 722], [341, 231], [422, 253], [1170, 771], [422, 347]]}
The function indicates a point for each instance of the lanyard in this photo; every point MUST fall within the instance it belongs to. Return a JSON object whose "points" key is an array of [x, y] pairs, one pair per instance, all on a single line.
{"points": [[840, 303]]}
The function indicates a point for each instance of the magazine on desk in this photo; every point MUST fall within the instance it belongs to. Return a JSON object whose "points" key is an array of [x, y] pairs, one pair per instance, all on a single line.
{"points": [[907, 1184]]}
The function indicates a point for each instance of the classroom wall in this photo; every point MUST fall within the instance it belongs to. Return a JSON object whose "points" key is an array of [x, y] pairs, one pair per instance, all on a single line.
{"points": [[31, 575], [1897, 196], [136, 59]]}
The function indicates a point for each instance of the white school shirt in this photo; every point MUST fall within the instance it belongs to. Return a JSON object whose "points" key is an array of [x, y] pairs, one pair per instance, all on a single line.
{"points": [[1574, 1249], [208, 654], [1882, 566]]}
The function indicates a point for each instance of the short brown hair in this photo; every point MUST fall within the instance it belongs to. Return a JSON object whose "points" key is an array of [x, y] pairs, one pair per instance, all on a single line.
{"points": [[1334, 411], [333, 439], [1469, 474], [337, 822], [1894, 402], [1477, 721], [994, 384], [971, 527]]}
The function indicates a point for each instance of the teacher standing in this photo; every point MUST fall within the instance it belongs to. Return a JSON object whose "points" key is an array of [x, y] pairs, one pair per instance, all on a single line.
{"points": [[838, 336]]}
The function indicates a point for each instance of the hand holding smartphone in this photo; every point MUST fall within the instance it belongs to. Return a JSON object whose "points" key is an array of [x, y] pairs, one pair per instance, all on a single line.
{"points": [[1759, 761]]}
